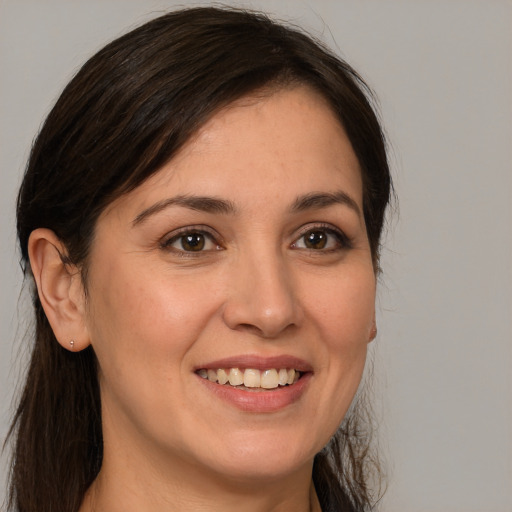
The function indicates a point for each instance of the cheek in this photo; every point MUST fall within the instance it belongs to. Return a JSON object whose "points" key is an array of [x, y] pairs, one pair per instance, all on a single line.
{"points": [[344, 310], [343, 314], [142, 326], [148, 313]]}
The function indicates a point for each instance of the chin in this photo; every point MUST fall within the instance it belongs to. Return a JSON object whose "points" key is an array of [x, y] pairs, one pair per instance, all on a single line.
{"points": [[267, 455]]}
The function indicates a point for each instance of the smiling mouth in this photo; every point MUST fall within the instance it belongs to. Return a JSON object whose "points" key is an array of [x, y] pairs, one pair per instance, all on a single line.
{"points": [[251, 379]]}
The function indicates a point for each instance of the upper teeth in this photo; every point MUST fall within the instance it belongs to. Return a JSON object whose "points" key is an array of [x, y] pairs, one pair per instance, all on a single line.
{"points": [[251, 378]]}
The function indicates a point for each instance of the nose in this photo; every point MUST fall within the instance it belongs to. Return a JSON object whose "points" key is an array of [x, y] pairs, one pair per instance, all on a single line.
{"points": [[262, 297]]}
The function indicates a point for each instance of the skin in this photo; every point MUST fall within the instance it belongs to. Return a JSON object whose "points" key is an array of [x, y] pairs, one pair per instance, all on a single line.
{"points": [[154, 312]]}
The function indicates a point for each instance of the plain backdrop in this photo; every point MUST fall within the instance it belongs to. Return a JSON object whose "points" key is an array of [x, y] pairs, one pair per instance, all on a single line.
{"points": [[443, 357]]}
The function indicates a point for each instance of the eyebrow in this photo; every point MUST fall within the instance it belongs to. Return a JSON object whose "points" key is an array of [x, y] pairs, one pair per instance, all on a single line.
{"points": [[318, 200], [199, 203], [311, 201]]}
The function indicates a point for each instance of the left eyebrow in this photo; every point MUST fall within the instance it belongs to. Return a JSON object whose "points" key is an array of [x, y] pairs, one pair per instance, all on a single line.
{"points": [[199, 203], [318, 200]]}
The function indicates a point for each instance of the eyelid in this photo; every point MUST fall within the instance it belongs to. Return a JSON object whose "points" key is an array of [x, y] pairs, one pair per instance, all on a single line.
{"points": [[344, 241], [172, 236]]}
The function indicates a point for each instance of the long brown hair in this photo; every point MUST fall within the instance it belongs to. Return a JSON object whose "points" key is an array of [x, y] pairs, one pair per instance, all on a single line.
{"points": [[124, 115]]}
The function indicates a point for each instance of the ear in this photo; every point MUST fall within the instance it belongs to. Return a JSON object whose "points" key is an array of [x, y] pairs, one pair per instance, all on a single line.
{"points": [[60, 289], [373, 330]]}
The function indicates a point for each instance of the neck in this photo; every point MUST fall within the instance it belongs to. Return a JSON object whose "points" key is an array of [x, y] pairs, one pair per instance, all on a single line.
{"points": [[104, 497], [140, 485]]}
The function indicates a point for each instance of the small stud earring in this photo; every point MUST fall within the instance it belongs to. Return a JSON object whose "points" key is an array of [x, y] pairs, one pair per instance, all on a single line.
{"points": [[72, 343]]}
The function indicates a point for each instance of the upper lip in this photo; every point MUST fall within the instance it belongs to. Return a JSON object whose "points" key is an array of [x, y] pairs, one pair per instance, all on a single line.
{"points": [[257, 362]]}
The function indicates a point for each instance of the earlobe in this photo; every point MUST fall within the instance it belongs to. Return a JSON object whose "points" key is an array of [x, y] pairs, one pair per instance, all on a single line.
{"points": [[60, 289]]}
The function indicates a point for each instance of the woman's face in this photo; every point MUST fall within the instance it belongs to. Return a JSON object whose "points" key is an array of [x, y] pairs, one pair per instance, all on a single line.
{"points": [[244, 258]]}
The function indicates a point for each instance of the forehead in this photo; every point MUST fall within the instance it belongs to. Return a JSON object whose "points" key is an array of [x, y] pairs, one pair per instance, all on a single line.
{"points": [[268, 148]]}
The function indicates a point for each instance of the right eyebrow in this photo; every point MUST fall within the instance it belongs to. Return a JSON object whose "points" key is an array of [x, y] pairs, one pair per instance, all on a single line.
{"points": [[199, 203]]}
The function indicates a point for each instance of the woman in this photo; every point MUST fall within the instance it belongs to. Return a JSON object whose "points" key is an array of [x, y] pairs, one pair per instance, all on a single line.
{"points": [[201, 216]]}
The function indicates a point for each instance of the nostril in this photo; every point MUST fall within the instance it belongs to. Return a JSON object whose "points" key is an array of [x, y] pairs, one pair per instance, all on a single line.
{"points": [[249, 328], [265, 333]]}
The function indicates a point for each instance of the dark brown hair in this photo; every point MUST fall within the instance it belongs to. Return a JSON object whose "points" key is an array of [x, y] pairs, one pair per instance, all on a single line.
{"points": [[121, 118]]}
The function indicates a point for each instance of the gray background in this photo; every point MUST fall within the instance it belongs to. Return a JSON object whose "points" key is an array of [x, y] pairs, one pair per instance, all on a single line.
{"points": [[443, 356]]}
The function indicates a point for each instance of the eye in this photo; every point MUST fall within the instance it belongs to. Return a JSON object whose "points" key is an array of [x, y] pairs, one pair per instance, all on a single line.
{"points": [[192, 241], [321, 239]]}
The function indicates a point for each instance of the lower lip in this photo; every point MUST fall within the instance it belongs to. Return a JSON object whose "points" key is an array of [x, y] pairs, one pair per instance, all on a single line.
{"points": [[271, 400]]}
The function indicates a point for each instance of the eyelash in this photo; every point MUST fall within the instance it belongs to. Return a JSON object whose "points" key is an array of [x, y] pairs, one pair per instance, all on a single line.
{"points": [[190, 230], [342, 241]]}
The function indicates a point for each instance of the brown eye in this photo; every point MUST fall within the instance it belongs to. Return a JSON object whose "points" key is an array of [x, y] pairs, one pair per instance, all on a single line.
{"points": [[324, 239], [315, 239], [192, 242]]}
